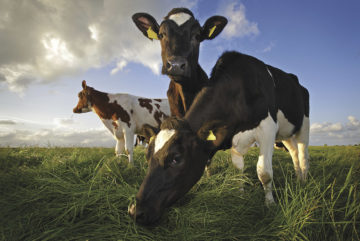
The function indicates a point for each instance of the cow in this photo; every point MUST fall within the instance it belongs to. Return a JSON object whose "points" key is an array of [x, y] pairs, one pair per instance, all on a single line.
{"points": [[180, 35], [246, 101], [122, 114], [140, 141]]}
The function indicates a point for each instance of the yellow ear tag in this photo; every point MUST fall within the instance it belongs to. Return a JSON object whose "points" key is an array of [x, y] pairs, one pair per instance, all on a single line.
{"points": [[151, 34], [212, 31], [211, 136], [151, 139]]}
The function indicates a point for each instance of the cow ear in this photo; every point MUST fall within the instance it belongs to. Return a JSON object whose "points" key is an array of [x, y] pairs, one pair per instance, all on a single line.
{"points": [[147, 25], [213, 27], [149, 132], [213, 138], [83, 84]]}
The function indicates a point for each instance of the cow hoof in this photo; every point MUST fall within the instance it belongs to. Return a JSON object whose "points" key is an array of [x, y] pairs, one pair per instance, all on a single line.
{"points": [[269, 203]]}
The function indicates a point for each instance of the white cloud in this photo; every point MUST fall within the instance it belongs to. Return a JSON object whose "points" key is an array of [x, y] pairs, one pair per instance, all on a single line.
{"points": [[336, 133], [64, 122], [119, 66], [45, 40], [269, 47], [238, 25]]}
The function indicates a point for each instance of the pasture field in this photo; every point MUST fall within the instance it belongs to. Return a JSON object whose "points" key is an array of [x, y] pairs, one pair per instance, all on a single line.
{"points": [[84, 194]]}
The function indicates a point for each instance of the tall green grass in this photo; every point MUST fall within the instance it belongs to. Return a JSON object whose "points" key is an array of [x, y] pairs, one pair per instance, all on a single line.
{"points": [[84, 193]]}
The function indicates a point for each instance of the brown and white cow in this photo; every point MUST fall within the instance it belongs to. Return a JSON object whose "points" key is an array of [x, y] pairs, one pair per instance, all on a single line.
{"points": [[248, 101], [180, 35], [122, 114]]}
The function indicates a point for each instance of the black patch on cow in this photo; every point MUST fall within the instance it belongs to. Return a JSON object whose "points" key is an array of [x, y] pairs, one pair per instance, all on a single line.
{"points": [[146, 103]]}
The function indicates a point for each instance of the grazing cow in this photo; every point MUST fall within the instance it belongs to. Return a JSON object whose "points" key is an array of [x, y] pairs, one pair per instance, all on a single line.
{"points": [[180, 35], [122, 114], [246, 102]]}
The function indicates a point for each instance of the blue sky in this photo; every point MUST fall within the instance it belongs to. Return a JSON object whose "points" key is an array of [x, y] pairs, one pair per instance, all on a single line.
{"points": [[48, 48]]}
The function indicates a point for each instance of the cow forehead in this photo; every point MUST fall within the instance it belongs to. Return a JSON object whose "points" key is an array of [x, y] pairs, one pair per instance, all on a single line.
{"points": [[162, 138], [180, 18]]}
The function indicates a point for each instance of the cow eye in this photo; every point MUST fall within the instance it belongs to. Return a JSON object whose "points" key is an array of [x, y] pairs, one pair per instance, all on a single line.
{"points": [[161, 35], [176, 160]]}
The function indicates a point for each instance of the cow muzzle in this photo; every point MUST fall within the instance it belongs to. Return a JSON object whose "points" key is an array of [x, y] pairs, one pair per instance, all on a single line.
{"points": [[177, 66], [77, 110], [142, 215]]}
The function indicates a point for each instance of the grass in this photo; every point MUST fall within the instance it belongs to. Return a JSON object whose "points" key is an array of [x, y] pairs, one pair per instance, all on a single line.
{"points": [[84, 193]]}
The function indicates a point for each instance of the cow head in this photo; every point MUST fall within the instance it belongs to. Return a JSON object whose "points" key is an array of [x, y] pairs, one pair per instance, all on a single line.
{"points": [[180, 35], [84, 104], [177, 157]]}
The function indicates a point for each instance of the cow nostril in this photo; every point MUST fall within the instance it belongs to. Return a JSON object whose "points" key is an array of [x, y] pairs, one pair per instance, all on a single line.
{"points": [[183, 66], [168, 65], [140, 215]]}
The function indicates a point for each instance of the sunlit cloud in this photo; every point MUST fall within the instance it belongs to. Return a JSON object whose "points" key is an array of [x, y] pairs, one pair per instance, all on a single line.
{"points": [[56, 41], [238, 25], [7, 122]]}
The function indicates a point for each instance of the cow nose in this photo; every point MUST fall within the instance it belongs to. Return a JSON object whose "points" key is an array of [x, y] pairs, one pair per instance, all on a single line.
{"points": [[137, 214], [176, 66]]}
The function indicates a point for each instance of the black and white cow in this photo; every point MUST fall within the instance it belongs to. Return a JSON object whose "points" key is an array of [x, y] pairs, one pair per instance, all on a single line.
{"points": [[246, 102], [180, 35]]}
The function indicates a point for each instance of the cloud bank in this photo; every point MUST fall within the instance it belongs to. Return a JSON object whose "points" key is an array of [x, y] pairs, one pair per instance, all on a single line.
{"points": [[336, 133], [64, 132]]}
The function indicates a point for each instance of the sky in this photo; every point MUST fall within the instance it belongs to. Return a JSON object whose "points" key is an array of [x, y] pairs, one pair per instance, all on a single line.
{"points": [[48, 47]]}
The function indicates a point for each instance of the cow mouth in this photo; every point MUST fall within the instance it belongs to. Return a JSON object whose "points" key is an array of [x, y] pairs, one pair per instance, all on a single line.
{"points": [[179, 78], [146, 217]]}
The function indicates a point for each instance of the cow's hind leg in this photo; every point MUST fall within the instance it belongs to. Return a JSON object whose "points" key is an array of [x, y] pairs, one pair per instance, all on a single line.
{"points": [[292, 147], [302, 139]]}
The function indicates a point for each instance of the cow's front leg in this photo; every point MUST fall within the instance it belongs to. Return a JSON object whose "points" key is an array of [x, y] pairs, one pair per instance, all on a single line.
{"points": [[238, 161], [129, 145], [266, 133], [120, 146]]}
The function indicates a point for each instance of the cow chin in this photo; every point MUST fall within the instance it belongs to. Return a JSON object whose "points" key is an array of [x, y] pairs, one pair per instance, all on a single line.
{"points": [[180, 79]]}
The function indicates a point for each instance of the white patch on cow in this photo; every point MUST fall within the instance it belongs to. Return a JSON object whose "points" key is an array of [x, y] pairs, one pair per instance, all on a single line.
{"points": [[269, 72], [180, 18], [285, 127], [272, 77], [162, 138]]}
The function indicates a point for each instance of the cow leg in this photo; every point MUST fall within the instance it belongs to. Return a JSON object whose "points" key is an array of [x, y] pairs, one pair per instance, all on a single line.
{"points": [[129, 144], [120, 145], [292, 146], [241, 143], [266, 133], [238, 161], [302, 139]]}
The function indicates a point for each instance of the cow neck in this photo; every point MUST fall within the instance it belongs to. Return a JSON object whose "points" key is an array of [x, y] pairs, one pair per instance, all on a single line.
{"points": [[202, 109], [192, 86], [99, 103]]}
